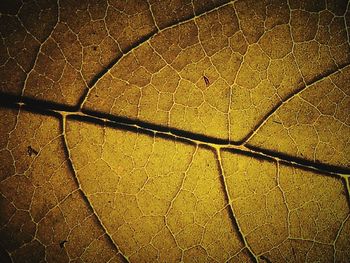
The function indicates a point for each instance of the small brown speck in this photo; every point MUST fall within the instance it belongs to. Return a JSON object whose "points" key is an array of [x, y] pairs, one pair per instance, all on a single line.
{"points": [[62, 243], [206, 80], [31, 151]]}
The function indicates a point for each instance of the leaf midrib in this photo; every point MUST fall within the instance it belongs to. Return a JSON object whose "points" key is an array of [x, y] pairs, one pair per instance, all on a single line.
{"points": [[113, 121]]}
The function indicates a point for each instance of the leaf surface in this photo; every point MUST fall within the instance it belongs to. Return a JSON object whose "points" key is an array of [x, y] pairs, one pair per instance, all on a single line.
{"points": [[170, 131]]}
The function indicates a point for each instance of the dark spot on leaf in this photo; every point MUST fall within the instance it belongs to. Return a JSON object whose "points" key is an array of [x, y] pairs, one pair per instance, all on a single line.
{"points": [[62, 243], [31, 151], [206, 80], [277, 122]]}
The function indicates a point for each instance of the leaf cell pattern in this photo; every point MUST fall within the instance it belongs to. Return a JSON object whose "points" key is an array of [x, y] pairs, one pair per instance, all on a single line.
{"points": [[175, 131]]}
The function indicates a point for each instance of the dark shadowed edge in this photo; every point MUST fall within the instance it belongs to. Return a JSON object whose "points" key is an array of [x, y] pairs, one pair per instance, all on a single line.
{"points": [[346, 190], [299, 162], [156, 127], [4, 255], [46, 108], [36, 105], [129, 127], [12, 104], [249, 154]]}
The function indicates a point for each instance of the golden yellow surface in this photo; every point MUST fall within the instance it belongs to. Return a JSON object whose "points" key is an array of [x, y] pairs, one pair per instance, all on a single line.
{"points": [[175, 131]]}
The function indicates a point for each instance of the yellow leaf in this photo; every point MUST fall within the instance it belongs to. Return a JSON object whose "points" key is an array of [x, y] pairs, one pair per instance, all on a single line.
{"points": [[174, 131]]}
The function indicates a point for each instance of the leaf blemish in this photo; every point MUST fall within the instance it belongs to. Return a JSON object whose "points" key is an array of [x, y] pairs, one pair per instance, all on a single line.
{"points": [[206, 80], [31, 151], [62, 243]]}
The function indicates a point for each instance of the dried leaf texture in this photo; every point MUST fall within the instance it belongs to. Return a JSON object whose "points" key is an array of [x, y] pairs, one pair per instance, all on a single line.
{"points": [[313, 124], [282, 212], [174, 131], [251, 68], [164, 195], [41, 203]]}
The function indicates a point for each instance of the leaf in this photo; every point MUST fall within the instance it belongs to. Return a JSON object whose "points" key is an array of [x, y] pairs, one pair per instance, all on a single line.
{"points": [[174, 131]]}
